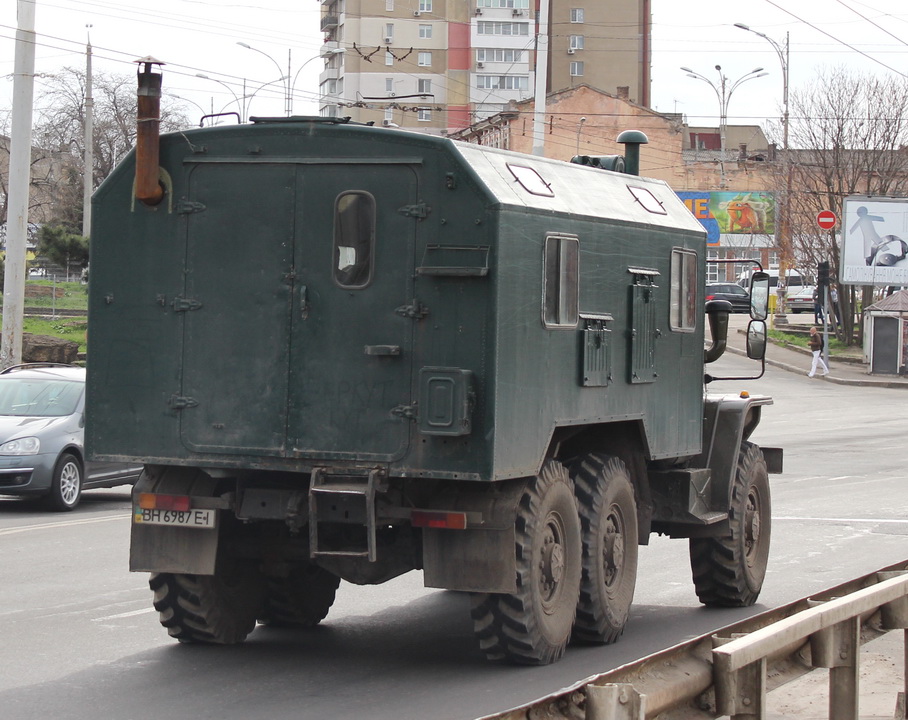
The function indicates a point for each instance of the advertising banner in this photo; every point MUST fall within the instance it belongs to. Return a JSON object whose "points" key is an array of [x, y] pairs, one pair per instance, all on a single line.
{"points": [[874, 240], [734, 219]]}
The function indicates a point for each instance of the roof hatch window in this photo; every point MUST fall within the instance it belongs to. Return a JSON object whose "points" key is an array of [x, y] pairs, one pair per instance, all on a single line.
{"points": [[531, 181]]}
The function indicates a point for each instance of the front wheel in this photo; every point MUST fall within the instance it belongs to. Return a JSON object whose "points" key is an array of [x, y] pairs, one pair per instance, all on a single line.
{"points": [[533, 625], [729, 571], [608, 518], [66, 484]]}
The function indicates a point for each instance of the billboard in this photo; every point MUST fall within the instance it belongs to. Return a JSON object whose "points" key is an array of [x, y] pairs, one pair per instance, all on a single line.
{"points": [[734, 219], [874, 240]]}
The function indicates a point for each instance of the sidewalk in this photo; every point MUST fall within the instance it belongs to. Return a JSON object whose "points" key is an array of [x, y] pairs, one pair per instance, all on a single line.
{"points": [[797, 360]]}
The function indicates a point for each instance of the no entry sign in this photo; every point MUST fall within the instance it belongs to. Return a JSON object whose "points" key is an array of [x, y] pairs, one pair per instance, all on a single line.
{"points": [[826, 219]]}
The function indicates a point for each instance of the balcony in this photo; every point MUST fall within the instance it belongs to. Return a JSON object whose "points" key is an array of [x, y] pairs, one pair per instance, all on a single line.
{"points": [[329, 22]]}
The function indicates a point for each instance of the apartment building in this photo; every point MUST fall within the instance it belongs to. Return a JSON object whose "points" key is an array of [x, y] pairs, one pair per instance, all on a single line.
{"points": [[441, 65]]}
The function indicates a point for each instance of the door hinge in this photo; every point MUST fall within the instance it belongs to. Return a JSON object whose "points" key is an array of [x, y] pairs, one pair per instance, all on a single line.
{"points": [[415, 310], [405, 411], [181, 304], [187, 207], [181, 402], [420, 210]]}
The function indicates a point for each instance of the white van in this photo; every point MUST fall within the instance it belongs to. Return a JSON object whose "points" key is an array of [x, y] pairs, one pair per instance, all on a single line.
{"points": [[794, 281]]}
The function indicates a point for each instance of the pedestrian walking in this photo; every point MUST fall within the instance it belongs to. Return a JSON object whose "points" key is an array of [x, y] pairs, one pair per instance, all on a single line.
{"points": [[815, 341], [817, 306]]}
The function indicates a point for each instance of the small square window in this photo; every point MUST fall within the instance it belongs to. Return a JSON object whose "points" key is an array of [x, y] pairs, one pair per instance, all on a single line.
{"points": [[576, 42], [424, 115], [425, 32], [576, 15], [424, 59], [424, 87], [576, 69]]}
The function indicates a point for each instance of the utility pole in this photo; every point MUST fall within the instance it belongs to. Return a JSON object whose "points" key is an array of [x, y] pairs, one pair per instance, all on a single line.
{"points": [[19, 180], [89, 163], [542, 72]]}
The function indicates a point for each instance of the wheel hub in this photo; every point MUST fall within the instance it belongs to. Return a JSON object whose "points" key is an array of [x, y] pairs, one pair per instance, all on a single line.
{"points": [[613, 549], [552, 560]]}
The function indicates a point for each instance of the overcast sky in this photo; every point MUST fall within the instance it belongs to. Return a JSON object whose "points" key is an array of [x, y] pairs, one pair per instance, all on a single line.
{"points": [[200, 37]]}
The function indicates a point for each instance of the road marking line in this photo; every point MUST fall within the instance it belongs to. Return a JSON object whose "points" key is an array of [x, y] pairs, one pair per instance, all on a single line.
{"points": [[65, 523], [131, 613], [843, 520]]}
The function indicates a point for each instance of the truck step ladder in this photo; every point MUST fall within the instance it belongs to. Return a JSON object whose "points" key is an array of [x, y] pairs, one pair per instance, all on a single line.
{"points": [[343, 500]]}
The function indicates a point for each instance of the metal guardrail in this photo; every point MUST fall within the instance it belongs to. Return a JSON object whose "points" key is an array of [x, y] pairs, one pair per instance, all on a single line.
{"points": [[729, 672]]}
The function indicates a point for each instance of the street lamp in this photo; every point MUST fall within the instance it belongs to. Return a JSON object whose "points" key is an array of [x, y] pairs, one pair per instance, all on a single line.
{"points": [[724, 90], [229, 89], [331, 52], [280, 71], [785, 219], [579, 130]]}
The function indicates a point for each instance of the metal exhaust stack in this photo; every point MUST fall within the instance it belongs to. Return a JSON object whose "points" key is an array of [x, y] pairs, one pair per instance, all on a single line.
{"points": [[632, 140], [148, 123]]}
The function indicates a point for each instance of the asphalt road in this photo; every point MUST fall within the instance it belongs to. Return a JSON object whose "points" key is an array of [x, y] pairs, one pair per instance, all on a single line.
{"points": [[80, 639]]}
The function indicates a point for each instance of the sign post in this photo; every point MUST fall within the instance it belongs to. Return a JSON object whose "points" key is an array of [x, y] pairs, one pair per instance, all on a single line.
{"points": [[827, 219]]}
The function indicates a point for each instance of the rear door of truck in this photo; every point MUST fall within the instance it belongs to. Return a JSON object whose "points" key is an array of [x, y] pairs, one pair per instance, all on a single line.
{"points": [[351, 344]]}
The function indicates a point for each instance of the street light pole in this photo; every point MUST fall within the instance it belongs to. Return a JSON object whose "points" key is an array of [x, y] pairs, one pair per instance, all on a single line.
{"points": [[280, 70], [331, 52], [724, 92], [229, 89], [785, 252]]}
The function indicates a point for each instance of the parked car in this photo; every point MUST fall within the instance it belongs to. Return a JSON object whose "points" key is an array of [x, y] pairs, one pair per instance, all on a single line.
{"points": [[735, 294], [801, 300], [41, 437]]}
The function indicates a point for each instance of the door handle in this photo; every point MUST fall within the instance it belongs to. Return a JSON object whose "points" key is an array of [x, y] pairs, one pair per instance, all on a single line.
{"points": [[304, 302], [386, 350]]}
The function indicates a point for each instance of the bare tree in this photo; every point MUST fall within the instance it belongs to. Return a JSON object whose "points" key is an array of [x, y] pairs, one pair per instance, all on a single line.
{"points": [[59, 138], [853, 129]]}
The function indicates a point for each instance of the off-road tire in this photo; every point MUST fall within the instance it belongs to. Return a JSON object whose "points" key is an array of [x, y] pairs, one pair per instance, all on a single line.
{"points": [[218, 609], [300, 599], [729, 571], [533, 625], [608, 521], [66, 484]]}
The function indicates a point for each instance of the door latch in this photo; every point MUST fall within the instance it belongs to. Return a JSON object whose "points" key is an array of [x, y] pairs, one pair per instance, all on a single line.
{"points": [[405, 411]]}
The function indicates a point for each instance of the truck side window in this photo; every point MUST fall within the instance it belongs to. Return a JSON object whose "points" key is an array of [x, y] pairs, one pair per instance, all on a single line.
{"points": [[684, 308], [560, 294], [354, 238]]}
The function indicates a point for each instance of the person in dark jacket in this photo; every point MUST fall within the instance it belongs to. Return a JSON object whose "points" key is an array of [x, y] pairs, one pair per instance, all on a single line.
{"points": [[815, 341]]}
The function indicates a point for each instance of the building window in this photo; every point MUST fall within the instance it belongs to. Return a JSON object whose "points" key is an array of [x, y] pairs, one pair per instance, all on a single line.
{"points": [[424, 87], [425, 31], [560, 291], [502, 82], [389, 84], [517, 4], [684, 307], [576, 15], [576, 42], [354, 238], [424, 115], [425, 5], [389, 32], [389, 5], [502, 28], [499, 55], [576, 69], [424, 59], [712, 269], [389, 57]]}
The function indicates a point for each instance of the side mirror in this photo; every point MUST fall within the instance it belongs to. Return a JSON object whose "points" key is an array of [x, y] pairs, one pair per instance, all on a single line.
{"points": [[759, 297], [756, 339]]}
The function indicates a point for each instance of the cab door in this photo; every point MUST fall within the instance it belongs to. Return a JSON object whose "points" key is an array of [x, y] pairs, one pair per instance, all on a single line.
{"points": [[351, 342]]}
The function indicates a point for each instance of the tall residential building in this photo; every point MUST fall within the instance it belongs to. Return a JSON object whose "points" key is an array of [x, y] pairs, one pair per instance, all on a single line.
{"points": [[441, 65]]}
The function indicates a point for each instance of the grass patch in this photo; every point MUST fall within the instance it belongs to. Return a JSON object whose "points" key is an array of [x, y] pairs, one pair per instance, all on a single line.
{"points": [[800, 340], [67, 328], [75, 296]]}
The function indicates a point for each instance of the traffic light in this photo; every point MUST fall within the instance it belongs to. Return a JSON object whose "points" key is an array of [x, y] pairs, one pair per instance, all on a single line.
{"points": [[823, 273]]}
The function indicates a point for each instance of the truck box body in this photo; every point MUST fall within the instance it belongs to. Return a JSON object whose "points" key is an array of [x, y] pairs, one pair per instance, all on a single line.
{"points": [[227, 330]]}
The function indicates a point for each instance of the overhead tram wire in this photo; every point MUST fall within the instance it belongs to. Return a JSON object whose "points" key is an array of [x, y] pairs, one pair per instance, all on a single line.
{"points": [[876, 25]]}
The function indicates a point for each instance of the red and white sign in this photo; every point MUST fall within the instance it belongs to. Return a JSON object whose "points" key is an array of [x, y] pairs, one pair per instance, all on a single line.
{"points": [[827, 219]]}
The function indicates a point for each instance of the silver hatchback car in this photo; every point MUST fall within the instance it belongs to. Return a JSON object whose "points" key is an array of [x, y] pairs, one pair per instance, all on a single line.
{"points": [[42, 427]]}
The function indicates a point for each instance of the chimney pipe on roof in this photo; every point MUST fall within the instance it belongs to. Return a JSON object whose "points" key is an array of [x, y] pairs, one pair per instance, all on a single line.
{"points": [[148, 129]]}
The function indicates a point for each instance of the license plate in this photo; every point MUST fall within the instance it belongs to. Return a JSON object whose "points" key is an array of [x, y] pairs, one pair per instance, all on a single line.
{"points": [[200, 518]]}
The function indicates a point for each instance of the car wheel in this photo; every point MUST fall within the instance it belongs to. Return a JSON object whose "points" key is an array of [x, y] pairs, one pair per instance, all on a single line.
{"points": [[66, 485]]}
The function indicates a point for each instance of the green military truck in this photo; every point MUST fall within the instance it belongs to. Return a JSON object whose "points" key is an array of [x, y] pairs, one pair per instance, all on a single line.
{"points": [[347, 352]]}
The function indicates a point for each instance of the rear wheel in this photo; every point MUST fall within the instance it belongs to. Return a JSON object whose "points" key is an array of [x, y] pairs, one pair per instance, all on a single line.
{"points": [[219, 609], [729, 571], [302, 598], [533, 625], [66, 484], [608, 520]]}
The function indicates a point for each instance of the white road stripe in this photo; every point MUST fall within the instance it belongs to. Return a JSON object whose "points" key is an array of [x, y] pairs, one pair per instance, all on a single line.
{"points": [[872, 521], [131, 613], [64, 523]]}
